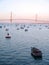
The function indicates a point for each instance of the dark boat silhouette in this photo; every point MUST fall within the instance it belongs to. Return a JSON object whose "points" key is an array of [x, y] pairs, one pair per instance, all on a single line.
{"points": [[0, 26], [36, 53], [8, 36], [7, 29], [22, 27], [26, 29], [17, 28]]}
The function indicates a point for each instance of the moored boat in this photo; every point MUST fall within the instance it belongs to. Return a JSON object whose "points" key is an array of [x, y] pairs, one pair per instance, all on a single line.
{"points": [[7, 29], [8, 36], [0, 26], [36, 52], [26, 29], [22, 27]]}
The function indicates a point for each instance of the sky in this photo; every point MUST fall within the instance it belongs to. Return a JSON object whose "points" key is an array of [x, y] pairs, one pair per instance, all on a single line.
{"points": [[24, 9]]}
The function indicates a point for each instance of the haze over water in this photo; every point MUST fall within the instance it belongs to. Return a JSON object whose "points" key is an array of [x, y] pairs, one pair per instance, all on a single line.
{"points": [[27, 22], [25, 9]]}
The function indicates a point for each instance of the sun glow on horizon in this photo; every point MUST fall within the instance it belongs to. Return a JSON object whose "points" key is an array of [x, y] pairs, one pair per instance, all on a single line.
{"points": [[26, 9]]}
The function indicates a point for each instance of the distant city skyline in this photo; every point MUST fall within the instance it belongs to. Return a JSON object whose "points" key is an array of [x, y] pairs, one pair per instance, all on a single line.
{"points": [[24, 9]]}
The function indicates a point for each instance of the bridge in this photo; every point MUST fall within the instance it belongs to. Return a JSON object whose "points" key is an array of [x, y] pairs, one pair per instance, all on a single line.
{"points": [[35, 20]]}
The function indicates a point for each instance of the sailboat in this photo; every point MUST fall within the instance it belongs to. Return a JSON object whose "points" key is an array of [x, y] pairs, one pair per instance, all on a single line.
{"points": [[8, 36]]}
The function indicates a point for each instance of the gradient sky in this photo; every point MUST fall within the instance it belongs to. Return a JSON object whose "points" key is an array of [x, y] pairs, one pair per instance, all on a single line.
{"points": [[24, 8]]}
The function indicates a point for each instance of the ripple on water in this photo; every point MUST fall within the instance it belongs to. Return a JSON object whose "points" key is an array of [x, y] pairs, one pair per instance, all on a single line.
{"points": [[17, 50]]}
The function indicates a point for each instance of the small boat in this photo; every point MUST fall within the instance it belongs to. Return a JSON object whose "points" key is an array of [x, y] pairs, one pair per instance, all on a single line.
{"points": [[40, 28], [7, 29], [22, 27], [17, 28], [8, 36], [26, 29], [48, 27], [4, 26], [0, 26], [27, 26], [36, 53]]}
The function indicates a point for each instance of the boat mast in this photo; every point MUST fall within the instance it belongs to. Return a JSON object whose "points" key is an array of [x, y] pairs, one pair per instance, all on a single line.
{"points": [[36, 18], [11, 17]]}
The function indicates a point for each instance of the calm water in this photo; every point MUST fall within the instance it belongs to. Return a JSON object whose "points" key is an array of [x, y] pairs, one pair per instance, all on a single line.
{"points": [[17, 50]]}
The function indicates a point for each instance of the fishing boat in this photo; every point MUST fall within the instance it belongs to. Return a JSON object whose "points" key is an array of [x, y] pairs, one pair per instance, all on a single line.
{"points": [[36, 52], [8, 36]]}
